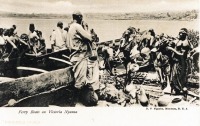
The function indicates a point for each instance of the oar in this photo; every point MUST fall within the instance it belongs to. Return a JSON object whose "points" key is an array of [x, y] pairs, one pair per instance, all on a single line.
{"points": [[61, 60], [66, 56], [29, 54], [3, 79], [32, 69]]}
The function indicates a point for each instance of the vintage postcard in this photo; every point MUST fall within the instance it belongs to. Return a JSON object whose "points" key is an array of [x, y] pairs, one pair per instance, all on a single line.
{"points": [[125, 60]]}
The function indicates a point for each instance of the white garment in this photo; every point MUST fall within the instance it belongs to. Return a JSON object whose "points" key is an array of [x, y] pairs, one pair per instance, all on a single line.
{"points": [[10, 40], [109, 50], [134, 52], [58, 37], [32, 35], [2, 41], [6, 38], [77, 35]]}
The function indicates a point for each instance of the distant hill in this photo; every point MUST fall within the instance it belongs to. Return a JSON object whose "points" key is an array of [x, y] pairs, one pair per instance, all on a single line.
{"points": [[186, 15], [44, 16], [182, 15]]}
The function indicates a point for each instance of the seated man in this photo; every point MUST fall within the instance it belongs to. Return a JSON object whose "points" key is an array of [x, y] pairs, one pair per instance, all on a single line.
{"points": [[37, 44], [42, 46], [20, 43], [33, 45]]}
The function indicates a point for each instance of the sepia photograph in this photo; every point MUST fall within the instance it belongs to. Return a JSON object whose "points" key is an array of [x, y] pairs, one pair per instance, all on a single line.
{"points": [[99, 53]]}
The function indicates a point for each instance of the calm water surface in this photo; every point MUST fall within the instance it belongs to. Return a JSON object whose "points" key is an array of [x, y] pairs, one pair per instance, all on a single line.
{"points": [[106, 29]]}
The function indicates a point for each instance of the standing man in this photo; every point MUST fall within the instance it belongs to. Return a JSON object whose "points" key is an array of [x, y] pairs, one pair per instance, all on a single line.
{"points": [[58, 39], [86, 69], [162, 62], [108, 57]]}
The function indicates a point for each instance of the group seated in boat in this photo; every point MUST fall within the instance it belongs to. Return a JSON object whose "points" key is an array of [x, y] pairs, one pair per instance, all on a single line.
{"points": [[12, 45]]}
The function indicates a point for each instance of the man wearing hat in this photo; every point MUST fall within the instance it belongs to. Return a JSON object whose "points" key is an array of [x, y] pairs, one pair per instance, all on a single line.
{"points": [[86, 69], [32, 32], [58, 39]]}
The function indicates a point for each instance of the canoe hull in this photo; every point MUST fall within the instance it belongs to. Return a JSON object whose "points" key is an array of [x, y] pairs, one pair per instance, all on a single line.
{"points": [[35, 84]]}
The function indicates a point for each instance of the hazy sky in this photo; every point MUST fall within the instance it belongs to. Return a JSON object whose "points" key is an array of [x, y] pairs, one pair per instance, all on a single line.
{"points": [[68, 6]]}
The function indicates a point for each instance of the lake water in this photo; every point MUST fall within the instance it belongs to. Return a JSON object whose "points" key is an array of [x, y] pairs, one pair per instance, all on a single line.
{"points": [[106, 29]]}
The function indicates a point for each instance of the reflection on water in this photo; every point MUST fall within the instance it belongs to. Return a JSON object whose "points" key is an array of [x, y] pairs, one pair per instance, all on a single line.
{"points": [[106, 29]]}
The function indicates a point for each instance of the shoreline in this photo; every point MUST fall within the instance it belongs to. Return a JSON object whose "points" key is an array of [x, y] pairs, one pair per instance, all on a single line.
{"points": [[120, 19], [168, 16]]}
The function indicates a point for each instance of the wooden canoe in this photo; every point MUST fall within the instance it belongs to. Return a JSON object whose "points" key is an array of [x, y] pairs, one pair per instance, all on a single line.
{"points": [[43, 62], [28, 87], [36, 90]]}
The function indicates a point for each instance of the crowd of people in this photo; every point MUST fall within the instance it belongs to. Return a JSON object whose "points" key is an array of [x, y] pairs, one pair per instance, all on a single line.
{"points": [[167, 54]]}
